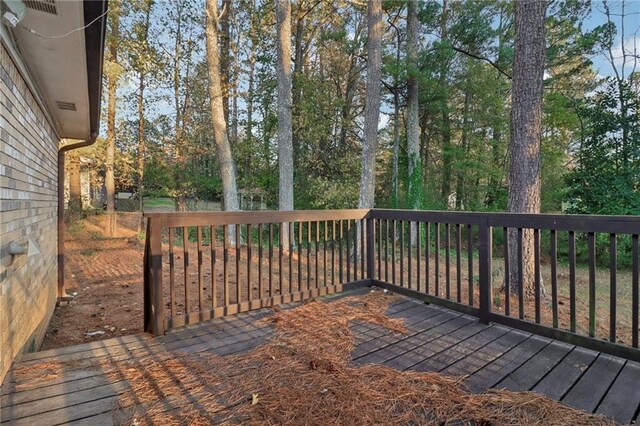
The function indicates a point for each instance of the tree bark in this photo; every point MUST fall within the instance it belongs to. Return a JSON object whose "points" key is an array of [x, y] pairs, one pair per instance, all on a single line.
{"points": [[285, 142], [526, 131], [446, 120], [112, 87], [225, 55], [372, 105], [413, 115], [225, 159]]}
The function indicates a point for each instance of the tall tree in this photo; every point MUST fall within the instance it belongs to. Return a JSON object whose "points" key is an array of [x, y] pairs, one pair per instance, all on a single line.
{"points": [[225, 158], [142, 63], [413, 114], [372, 104], [526, 130], [113, 74], [285, 144]]}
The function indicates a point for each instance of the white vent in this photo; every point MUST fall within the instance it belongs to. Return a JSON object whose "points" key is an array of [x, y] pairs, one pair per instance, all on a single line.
{"points": [[46, 6], [67, 106]]}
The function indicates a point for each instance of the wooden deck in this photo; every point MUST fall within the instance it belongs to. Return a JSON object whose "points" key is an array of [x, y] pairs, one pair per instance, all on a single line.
{"points": [[438, 340]]}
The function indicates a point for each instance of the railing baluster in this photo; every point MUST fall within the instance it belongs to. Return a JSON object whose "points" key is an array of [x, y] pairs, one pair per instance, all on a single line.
{"points": [[635, 289], [185, 262], [271, 260], [537, 282], [458, 263], [238, 253], [249, 261], [379, 242], [613, 266], [172, 285], [348, 225], [200, 271], [386, 250], [572, 281], [340, 255], [260, 261], [333, 253], [410, 243], [591, 248], [470, 263], [324, 253], [427, 258], [507, 273], [402, 253], [363, 244], [437, 260], [316, 243], [520, 274], [355, 250], [393, 252], [290, 255], [300, 238], [214, 296], [447, 256], [308, 255], [281, 232], [554, 276], [418, 254], [225, 261], [485, 248]]}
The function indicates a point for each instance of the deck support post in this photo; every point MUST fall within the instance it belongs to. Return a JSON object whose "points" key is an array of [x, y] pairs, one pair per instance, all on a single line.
{"points": [[153, 296], [485, 254]]}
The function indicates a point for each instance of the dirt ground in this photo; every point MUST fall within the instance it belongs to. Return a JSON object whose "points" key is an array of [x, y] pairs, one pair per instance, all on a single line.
{"points": [[106, 274]]}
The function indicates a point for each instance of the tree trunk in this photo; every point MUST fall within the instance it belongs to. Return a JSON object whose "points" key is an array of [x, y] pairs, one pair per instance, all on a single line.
{"points": [[285, 143], [225, 159], [75, 186], [112, 87], [141, 136], [372, 105], [225, 55], [297, 72], [413, 115], [446, 120], [464, 145], [526, 128]]}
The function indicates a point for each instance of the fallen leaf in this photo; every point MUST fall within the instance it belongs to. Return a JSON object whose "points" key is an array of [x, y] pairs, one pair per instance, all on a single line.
{"points": [[254, 399]]}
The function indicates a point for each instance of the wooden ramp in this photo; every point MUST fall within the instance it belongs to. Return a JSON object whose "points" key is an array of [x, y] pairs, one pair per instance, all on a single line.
{"points": [[438, 340]]}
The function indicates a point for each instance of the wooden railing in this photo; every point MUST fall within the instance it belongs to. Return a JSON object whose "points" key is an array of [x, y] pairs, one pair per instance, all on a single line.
{"points": [[575, 292], [244, 260]]}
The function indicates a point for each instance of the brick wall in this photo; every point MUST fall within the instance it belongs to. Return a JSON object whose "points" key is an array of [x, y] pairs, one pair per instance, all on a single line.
{"points": [[28, 200]]}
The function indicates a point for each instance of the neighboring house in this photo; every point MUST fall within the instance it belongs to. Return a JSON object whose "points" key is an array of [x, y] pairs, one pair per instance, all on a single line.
{"points": [[50, 82]]}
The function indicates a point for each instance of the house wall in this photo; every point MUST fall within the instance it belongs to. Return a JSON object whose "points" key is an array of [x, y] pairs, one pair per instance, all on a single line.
{"points": [[28, 202]]}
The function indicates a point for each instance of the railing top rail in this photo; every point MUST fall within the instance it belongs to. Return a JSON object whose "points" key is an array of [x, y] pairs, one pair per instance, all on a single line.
{"points": [[203, 218], [560, 222]]}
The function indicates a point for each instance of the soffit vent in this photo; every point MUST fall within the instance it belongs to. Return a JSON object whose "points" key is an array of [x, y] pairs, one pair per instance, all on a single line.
{"points": [[68, 106], [46, 6]]}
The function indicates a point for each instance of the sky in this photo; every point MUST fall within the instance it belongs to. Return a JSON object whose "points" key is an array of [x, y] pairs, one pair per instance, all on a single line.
{"points": [[631, 33]]}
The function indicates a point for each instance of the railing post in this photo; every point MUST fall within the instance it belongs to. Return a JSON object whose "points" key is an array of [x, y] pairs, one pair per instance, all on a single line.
{"points": [[370, 246], [485, 254], [148, 285], [154, 306]]}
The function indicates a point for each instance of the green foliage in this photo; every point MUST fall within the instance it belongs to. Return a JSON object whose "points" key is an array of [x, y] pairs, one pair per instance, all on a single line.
{"points": [[606, 178]]}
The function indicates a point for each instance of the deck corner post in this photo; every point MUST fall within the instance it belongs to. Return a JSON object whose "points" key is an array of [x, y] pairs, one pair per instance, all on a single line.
{"points": [[370, 247], [154, 306], [485, 254]]}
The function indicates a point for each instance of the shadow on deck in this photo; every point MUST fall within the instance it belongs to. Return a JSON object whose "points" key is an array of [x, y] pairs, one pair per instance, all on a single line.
{"points": [[441, 340]]}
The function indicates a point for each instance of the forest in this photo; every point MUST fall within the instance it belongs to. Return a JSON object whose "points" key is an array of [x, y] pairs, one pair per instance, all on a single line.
{"points": [[331, 104]]}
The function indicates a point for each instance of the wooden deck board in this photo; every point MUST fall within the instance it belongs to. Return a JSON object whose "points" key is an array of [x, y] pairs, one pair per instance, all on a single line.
{"points": [[529, 374], [504, 364], [587, 393], [563, 376], [623, 398], [437, 340]]}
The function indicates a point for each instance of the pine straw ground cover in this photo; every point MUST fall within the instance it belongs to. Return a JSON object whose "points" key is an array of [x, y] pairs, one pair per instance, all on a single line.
{"points": [[304, 375]]}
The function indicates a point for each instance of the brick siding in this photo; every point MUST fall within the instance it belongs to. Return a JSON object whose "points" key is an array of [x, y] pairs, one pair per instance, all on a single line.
{"points": [[28, 203]]}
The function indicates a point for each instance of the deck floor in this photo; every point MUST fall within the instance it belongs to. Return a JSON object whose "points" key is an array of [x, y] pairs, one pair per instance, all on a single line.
{"points": [[439, 340]]}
